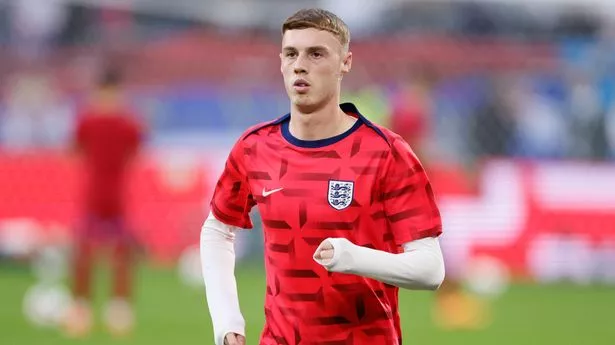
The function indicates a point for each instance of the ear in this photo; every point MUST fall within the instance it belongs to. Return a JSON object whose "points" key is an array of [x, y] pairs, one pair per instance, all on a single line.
{"points": [[347, 63]]}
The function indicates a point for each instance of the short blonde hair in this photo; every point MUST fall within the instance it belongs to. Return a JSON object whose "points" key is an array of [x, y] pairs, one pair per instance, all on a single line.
{"points": [[320, 19]]}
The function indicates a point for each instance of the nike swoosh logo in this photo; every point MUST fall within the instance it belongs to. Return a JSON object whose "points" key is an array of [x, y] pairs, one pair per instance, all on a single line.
{"points": [[267, 193]]}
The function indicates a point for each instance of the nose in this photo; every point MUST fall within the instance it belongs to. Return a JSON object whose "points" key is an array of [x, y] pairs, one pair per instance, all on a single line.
{"points": [[300, 66]]}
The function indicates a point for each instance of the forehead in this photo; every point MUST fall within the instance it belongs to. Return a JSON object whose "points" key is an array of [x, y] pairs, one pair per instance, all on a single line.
{"points": [[306, 38]]}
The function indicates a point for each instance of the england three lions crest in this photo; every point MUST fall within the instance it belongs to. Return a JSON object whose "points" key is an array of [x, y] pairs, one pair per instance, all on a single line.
{"points": [[340, 194]]}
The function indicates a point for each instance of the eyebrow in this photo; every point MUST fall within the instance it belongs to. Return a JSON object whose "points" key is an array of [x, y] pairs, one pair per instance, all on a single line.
{"points": [[311, 49]]}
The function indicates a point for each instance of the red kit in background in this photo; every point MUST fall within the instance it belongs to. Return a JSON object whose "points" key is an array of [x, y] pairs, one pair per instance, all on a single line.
{"points": [[107, 139]]}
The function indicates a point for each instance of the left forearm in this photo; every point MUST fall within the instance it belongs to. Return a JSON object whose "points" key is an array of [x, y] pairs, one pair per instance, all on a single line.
{"points": [[420, 267]]}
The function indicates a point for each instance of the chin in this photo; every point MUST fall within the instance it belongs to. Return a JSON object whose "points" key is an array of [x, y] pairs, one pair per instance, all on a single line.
{"points": [[302, 101], [307, 107], [307, 104]]}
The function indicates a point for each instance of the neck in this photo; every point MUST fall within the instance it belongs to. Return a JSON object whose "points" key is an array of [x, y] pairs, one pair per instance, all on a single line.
{"points": [[323, 123]]}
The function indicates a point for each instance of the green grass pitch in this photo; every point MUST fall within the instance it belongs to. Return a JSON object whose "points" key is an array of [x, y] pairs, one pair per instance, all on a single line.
{"points": [[171, 313]]}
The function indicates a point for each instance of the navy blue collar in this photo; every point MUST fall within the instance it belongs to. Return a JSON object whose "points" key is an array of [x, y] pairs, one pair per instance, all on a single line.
{"points": [[348, 108], [312, 144]]}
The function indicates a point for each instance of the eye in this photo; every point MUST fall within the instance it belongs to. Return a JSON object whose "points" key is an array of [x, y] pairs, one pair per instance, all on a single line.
{"points": [[290, 54], [317, 54]]}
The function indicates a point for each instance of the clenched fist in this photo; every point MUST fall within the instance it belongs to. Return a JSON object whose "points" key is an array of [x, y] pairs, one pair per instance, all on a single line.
{"points": [[234, 339], [324, 252]]}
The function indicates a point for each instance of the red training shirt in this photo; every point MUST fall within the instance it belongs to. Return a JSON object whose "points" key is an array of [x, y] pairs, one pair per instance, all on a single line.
{"points": [[365, 185], [107, 144]]}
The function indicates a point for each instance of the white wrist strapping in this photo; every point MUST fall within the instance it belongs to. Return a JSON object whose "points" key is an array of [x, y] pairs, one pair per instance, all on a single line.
{"points": [[218, 267], [419, 267]]}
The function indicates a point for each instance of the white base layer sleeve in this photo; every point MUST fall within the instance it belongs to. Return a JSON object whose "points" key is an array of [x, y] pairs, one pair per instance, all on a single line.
{"points": [[419, 267], [218, 266]]}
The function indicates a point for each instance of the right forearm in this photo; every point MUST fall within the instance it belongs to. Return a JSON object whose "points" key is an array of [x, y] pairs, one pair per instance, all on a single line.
{"points": [[218, 265]]}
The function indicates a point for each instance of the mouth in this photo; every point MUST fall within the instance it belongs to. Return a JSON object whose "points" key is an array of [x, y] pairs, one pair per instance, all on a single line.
{"points": [[301, 85]]}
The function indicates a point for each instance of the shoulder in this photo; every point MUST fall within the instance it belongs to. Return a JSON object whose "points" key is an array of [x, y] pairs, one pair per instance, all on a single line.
{"points": [[395, 152], [254, 134], [262, 128], [395, 141], [379, 136], [385, 139]]}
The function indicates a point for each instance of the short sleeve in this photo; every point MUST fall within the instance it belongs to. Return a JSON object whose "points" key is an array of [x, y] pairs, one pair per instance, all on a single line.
{"points": [[409, 202], [232, 199]]}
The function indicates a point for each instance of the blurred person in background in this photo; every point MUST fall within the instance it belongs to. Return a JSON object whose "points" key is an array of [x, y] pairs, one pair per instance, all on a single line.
{"points": [[107, 139], [349, 215]]}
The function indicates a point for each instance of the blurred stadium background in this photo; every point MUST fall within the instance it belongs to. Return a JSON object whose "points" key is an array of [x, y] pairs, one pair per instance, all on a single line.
{"points": [[509, 103]]}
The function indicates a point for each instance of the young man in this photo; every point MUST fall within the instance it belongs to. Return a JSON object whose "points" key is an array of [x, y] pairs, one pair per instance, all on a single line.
{"points": [[348, 212], [107, 139]]}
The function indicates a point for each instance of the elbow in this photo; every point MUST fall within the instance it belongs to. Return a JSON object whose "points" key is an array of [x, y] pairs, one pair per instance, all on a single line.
{"points": [[428, 279], [425, 265], [431, 276], [438, 271], [437, 278]]}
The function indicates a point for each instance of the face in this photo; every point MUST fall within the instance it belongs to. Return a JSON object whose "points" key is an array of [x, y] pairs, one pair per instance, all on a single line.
{"points": [[312, 63]]}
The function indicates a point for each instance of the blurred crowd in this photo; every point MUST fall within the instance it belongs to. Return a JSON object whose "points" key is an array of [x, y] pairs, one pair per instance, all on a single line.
{"points": [[563, 111]]}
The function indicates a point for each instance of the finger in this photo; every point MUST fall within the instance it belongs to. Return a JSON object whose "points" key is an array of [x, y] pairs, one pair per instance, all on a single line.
{"points": [[231, 339], [318, 252], [324, 245], [241, 339], [327, 254], [324, 251]]}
